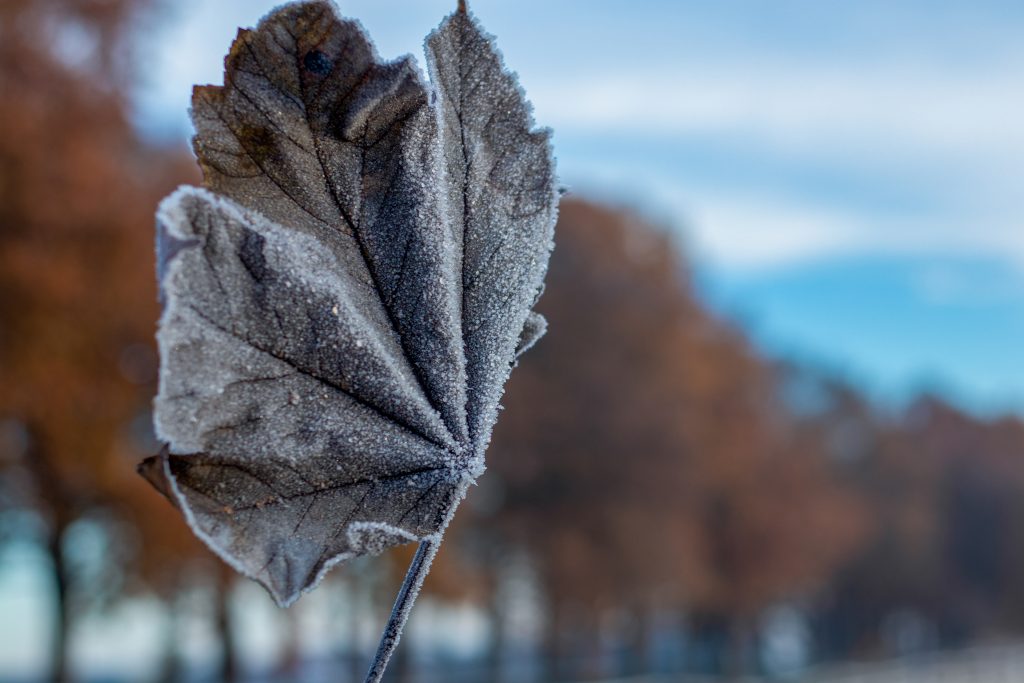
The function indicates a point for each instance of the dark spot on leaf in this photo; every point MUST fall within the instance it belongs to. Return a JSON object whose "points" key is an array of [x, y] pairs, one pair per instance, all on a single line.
{"points": [[316, 62], [251, 255], [258, 142]]}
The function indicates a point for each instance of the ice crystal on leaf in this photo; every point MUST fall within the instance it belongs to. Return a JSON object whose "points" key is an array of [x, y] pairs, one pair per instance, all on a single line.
{"points": [[345, 297]]}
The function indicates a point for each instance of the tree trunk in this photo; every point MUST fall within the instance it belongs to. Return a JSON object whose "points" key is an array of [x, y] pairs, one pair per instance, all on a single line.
{"points": [[554, 652], [171, 666], [289, 668], [59, 667], [741, 648], [360, 611], [494, 657], [636, 656], [230, 666], [62, 508]]}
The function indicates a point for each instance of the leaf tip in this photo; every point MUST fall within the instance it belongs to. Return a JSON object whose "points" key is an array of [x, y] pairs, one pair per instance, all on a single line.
{"points": [[154, 470]]}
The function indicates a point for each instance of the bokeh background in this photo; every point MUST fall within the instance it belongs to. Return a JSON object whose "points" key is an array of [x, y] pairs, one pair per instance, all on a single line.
{"points": [[775, 429]]}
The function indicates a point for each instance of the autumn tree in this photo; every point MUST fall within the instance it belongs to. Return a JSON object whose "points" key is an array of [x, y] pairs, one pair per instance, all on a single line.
{"points": [[943, 489], [77, 295], [646, 458], [778, 512]]}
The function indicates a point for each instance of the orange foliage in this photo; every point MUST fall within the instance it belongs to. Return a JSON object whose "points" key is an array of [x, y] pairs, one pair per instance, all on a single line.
{"points": [[77, 293]]}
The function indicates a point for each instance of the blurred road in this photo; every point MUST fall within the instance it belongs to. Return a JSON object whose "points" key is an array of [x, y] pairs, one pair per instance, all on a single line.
{"points": [[994, 664], [991, 664]]}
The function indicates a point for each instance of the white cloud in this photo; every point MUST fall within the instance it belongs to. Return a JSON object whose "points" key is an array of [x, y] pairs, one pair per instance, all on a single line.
{"points": [[953, 135], [744, 234], [739, 229], [951, 140], [872, 111]]}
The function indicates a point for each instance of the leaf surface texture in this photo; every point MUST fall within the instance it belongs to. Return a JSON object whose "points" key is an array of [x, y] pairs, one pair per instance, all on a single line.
{"points": [[345, 297]]}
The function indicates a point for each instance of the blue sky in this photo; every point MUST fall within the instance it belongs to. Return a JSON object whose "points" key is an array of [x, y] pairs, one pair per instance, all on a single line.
{"points": [[849, 177]]}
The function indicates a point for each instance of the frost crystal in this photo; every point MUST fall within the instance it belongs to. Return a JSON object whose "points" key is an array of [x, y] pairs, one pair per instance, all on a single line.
{"points": [[346, 296]]}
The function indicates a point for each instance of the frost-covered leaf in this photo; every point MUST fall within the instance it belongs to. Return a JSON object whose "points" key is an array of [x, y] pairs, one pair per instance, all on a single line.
{"points": [[345, 298]]}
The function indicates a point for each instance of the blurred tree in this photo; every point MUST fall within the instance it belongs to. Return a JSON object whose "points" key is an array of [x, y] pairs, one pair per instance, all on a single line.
{"points": [[778, 520], [944, 490], [589, 459], [77, 299], [646, 460]]}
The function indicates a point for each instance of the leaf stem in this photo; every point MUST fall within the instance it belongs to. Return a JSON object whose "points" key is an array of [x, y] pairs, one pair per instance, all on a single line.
{"points": [[414, 577]]}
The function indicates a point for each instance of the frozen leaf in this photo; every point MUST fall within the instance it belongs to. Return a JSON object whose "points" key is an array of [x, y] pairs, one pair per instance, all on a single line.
{"points": [[346, 296], [535, 328]]}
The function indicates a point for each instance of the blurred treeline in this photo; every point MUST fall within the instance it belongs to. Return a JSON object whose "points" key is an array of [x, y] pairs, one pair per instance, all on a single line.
{"points": [[656, 480]]}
